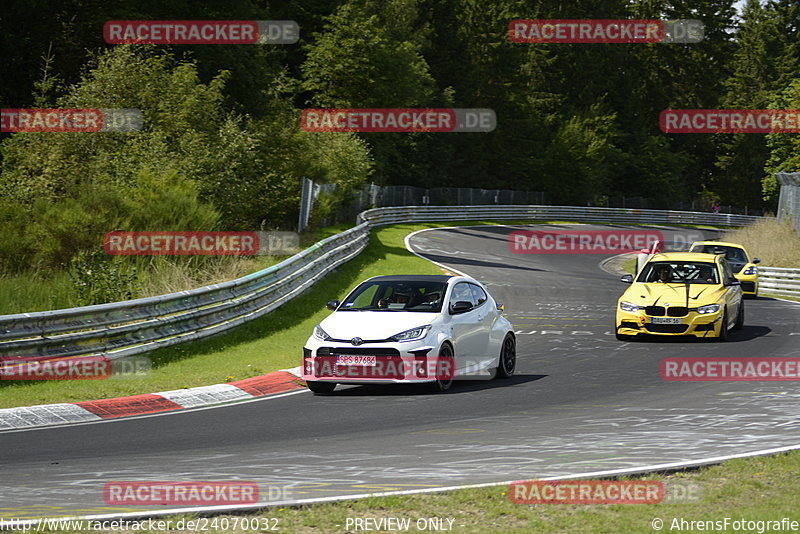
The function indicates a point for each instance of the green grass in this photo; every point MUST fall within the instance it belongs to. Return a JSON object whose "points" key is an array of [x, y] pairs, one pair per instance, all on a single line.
{"points": [[39, 291], [630, 266], [35, 291], [762, 488]]}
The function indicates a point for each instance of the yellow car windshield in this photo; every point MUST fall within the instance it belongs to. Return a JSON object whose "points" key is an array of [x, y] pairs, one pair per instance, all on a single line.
{"points": [[666, 272]]}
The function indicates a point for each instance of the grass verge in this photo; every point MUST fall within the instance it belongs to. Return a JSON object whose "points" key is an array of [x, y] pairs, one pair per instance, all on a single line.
{"points": [[157, 275], [777, 244], [752, 489]]}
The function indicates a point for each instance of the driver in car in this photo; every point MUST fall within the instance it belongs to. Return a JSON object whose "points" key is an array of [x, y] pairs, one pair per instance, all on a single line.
{"points": [[706, 275], [663, 275]]}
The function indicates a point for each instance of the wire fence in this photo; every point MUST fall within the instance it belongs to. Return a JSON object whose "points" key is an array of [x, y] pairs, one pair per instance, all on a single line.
{"points": [[789, 201]]}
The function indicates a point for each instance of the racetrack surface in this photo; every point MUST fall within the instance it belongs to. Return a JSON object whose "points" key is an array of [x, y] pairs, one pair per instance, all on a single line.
{"points": [[581, 402]]}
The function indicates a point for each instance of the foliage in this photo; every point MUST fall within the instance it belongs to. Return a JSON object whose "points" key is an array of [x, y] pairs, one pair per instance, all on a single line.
{"points": [[99, 279], [221, 146]]}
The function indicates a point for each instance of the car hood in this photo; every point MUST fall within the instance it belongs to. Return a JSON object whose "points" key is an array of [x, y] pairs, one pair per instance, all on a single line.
{"points": [[647, 294], [736, 266], [373, 324]]}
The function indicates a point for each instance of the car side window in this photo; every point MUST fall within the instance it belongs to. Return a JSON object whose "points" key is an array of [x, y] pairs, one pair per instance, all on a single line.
{"points": [[461, 291], [478, 295]]}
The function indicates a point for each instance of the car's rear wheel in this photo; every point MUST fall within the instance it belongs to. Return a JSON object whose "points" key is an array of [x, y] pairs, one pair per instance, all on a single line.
{"points": [[740, 317], [508, 358], [321, 388], [444, 380], [723, 328]]}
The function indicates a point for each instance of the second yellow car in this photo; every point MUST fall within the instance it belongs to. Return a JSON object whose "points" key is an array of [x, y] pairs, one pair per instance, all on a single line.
{"points": [[742, 264]]}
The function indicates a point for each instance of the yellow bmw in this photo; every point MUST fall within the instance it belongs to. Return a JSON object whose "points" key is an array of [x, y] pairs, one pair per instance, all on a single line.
{"points": [[742, 264], [681, 293]]}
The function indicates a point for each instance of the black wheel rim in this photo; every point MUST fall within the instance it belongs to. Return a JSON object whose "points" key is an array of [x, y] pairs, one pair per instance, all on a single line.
{"points": [[509, 356], [445, 352]]}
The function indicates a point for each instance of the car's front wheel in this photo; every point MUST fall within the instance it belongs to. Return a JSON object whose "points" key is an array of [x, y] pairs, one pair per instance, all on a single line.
{"points": [[723, 327], [321, 388], [508, 358], [445, 372], [740, 317]]}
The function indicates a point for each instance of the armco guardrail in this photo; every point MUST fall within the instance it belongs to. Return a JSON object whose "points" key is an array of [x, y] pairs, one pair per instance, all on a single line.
{"points": [[401, 214], [125, 328], [779, 280]]}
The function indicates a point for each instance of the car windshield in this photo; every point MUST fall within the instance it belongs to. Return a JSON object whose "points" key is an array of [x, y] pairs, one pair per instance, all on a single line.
{"points": [[383, 295], [732, 254], [668, 272]]}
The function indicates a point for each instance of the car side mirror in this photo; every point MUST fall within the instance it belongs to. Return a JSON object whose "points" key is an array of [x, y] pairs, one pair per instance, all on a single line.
{"points": [[626, 279], [500, 307], [461, 306], [733, 282], [333, 304], [756, 260]]}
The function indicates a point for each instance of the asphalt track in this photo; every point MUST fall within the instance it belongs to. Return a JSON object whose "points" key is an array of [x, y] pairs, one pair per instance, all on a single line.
{"points": [[581, 402]]}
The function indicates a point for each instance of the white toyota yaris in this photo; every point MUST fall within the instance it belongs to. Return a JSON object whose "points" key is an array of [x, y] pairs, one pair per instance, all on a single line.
{"points": [[410, 329]]}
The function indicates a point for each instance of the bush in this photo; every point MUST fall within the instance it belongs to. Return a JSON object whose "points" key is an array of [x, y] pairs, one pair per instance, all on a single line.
{"points": [[98, 279]]}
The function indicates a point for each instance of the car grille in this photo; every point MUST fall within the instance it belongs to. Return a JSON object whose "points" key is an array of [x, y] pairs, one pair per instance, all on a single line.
{"points": [[666, 328], [677, 311], [628, 324], [704, 327], [661, 311], [750, 287]]}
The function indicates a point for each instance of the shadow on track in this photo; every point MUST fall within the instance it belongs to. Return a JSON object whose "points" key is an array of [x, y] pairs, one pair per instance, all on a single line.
{"points": [[405, 390], [748, 333]]}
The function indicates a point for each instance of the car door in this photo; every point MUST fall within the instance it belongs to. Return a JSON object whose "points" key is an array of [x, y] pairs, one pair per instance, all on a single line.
{"points": [[466, 326], [733, 293], [486, 316]]}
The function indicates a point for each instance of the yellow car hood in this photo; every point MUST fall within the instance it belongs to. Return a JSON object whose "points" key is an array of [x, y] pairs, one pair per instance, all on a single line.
{"points": [[656, 294]]}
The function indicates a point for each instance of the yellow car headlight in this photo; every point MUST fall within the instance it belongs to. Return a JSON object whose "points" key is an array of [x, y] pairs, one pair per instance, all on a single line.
{"points": [[709, 308], [628, 307]]}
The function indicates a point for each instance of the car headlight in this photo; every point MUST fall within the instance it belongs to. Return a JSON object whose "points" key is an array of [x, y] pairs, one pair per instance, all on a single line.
{"points": [[413, 334], [319, 333], [751, 270], [628, 307], [709, 308]]}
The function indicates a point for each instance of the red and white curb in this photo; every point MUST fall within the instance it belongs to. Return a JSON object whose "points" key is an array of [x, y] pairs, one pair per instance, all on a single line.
{"points": [[81, 412]]}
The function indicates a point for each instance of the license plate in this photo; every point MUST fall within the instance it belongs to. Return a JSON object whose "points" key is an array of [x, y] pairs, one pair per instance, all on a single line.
{"points": [[666, 320], [364, 361]]}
